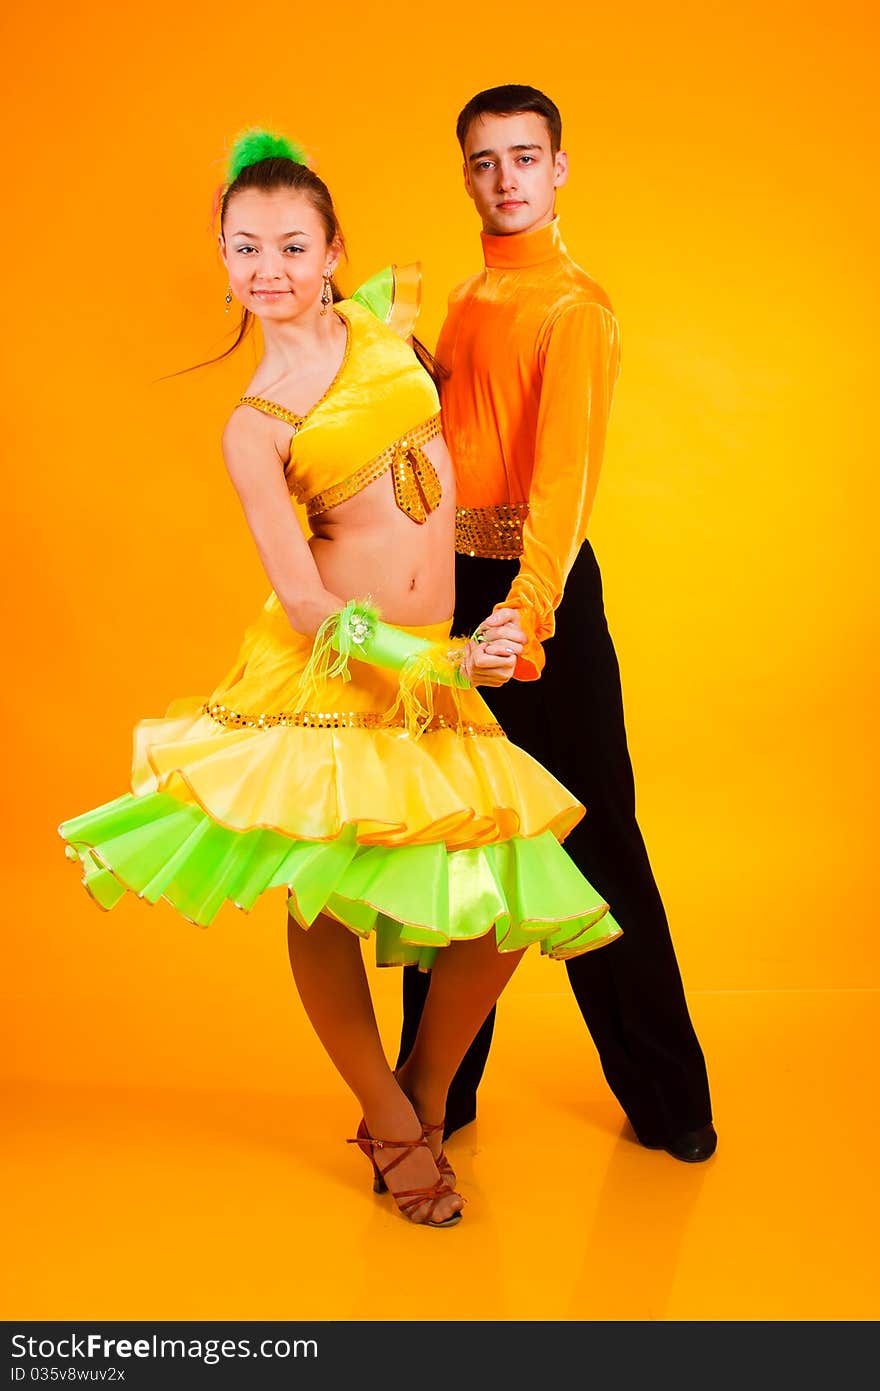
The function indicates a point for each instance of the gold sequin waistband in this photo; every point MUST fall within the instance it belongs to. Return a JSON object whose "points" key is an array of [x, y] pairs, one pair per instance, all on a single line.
{"points": [[495, 533], [342, 719]]}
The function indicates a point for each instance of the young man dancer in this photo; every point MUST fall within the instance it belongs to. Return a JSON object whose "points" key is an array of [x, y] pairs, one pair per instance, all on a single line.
{"points": [[529, 352]]}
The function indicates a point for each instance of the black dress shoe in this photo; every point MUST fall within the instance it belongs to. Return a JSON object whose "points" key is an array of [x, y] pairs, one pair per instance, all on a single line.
{"points": [[694, 1146]]}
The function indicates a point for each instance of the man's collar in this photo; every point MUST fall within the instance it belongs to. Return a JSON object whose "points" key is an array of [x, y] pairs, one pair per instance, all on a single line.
{"points": [[522, 249]]}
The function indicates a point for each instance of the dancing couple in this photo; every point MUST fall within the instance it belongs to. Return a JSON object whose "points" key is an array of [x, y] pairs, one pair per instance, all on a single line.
{"points": [[347, 756]]}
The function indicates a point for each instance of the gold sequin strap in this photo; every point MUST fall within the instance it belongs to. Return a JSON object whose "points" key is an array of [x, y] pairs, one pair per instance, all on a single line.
{"points": [[342, 719], [260, 403], [495, 533], [417, 489]]}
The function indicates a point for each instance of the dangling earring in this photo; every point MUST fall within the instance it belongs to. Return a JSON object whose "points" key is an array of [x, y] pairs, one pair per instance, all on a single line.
{"points": [[326, 293], [228, 298]]}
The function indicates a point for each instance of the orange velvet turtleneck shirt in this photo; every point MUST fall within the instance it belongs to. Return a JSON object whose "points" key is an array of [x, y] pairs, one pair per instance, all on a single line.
{"points": [[531, 347]]}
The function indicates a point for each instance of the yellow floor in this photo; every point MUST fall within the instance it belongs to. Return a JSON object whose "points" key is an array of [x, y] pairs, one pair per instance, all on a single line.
{"points": [[154, 1203]]}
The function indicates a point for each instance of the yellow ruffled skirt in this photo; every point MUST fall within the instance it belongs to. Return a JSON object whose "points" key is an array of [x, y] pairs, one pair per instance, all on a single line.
{"points": [[421, 838]]}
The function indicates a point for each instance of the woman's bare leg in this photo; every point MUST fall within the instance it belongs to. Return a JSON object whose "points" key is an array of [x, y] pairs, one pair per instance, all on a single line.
{"points": [[329, 973], [466, 980]]}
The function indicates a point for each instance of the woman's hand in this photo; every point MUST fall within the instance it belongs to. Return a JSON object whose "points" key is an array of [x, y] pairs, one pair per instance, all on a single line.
{"points": [[491, 661], [483, 668]]}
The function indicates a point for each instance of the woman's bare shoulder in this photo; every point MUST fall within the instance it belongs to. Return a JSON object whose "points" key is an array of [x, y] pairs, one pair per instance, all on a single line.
{"points": [[249, 436]]}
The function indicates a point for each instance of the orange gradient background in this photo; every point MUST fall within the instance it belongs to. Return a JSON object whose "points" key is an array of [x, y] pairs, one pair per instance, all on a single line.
{"points": [[721, 190]]}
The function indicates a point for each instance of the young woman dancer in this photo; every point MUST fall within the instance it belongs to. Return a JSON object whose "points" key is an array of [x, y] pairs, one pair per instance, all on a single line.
{"points": [[346, 756]]}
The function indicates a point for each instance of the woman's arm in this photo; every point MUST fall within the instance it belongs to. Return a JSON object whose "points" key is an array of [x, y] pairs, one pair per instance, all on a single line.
{"points": [[257, 473]]}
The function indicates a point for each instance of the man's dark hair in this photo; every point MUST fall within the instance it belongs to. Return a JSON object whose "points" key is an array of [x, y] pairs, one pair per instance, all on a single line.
{"points": [[511, 100]]}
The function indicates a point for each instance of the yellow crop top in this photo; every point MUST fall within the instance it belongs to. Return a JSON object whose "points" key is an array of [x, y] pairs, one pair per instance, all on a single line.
{"points": [[378, 411]]}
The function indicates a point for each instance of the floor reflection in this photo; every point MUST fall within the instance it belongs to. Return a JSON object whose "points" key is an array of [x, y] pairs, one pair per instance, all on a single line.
{"points": [[633, 1245]]}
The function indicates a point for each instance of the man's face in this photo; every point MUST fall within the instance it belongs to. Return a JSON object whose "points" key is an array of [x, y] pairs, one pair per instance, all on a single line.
{"points": [[511, 174]]}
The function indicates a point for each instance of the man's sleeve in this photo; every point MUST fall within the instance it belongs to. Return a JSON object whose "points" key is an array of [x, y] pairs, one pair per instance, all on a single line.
{"points": [[581, 359]]}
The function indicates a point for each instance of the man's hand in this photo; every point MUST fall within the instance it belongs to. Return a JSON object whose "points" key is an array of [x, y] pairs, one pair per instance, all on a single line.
{"points": [[491, 661], [502, 626]]}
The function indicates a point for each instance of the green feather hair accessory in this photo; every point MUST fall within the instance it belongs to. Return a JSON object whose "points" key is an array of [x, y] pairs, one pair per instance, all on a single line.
{"points": [[253, 145]]}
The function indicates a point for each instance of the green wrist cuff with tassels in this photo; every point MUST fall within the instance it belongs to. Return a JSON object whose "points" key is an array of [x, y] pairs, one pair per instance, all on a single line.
{"points": [[358, 632]]}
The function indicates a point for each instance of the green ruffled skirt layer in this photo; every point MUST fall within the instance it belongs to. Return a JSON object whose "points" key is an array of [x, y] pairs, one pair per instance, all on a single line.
{"points": [[414, 898]]}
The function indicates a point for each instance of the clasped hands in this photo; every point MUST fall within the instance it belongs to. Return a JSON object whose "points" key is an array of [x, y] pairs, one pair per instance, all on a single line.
{"points": [[491, 660]]}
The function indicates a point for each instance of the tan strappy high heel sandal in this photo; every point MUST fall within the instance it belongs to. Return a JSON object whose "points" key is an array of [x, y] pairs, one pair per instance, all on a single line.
{"points": [[408, 1200], [447, 1173]]}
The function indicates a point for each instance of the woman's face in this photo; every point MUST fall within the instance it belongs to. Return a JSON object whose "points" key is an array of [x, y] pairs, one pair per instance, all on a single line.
{"points": [[274, 246]]}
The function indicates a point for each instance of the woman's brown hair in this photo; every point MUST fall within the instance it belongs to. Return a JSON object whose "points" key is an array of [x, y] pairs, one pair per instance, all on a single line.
{"points": [[267, 175]]}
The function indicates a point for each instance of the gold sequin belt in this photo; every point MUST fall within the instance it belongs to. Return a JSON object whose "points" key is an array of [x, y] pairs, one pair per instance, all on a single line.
{"points": [[495, 533], [341, 719]]}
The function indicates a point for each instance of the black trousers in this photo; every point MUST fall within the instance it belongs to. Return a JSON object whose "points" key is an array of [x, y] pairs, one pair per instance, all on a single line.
{"points": [[629, 992]]}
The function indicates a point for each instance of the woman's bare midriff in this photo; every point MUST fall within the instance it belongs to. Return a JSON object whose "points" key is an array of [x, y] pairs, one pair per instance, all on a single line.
{"points": [[368, 548]]}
